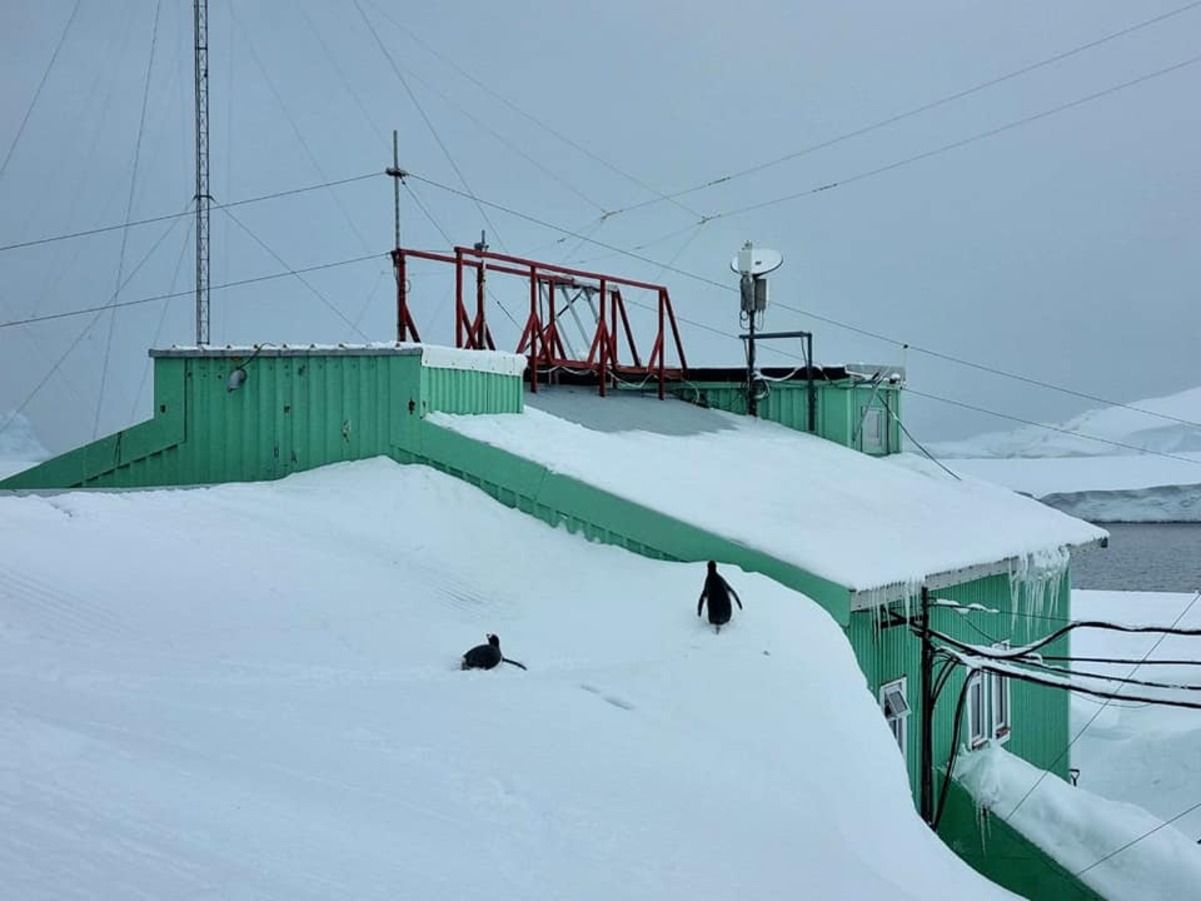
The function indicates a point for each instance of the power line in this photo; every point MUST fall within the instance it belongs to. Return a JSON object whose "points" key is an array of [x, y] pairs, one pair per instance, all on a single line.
{"points": [[304, 281], [346, 85], [99, 311], [38, 92], [1097, 713], [973, 662], [428, 122], [296, 130], [633, 179], [1054, 428], [237, 283], [901, 425], [567, 231], [133, 185], [955, 145], [274, 195], [1139, 838], [914, 111], [993, 370], [546, 170], [162, 318]]}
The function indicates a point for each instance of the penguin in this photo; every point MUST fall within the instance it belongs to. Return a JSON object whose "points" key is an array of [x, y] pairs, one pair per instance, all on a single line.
{"points": [[717, 592], [487, 656]]}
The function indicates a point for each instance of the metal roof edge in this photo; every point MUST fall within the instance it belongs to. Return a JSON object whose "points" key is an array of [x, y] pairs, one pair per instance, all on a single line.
{"points": [[870, 598], [299, 350]]}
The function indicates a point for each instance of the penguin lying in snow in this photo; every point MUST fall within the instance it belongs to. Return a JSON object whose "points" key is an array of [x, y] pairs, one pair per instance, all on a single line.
{"points": [[487, 656]]}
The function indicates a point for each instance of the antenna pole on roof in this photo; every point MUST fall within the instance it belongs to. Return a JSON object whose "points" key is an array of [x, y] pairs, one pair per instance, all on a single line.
{"points": [[404, 320], [752, 402], [397, 175], [753, 264], [202, 198]]}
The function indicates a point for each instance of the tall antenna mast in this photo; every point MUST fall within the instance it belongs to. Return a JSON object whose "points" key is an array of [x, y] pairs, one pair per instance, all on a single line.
{"points": [[203, 199]]}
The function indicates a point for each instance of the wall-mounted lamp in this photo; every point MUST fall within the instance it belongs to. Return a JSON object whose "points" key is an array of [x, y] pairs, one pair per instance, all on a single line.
{"points": [[236, 379]]}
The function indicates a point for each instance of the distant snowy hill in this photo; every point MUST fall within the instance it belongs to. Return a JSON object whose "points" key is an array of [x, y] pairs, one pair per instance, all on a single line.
{"points": [[252, 691], [1095, 480], [1118, 424], [19, 446]]}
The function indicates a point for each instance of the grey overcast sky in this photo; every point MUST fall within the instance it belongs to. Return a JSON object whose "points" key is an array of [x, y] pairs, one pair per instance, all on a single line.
{"points": [[1065, 249]]}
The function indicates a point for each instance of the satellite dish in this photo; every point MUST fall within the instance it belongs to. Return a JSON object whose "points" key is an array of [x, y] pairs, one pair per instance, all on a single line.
{"points": [[757, 261]]}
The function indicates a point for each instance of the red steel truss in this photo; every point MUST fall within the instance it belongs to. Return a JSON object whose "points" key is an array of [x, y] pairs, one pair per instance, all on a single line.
{"points": [[541, 339]]}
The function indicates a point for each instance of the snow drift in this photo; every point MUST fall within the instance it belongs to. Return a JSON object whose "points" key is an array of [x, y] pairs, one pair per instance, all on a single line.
{"points": [[252, 691], [1119, 850], [1141, 754]]}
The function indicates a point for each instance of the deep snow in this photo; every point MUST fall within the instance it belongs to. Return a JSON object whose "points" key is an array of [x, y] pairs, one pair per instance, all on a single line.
{"points": [[805, 500], [1150, 756], [251, 691], [1117, 849], [1140, 765]]}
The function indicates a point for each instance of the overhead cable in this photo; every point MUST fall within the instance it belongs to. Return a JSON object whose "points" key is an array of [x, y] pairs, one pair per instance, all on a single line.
{"points": [[1099, 710], [133, 184], [298, 276], [917, 110], [236, 283], [38, 91], [428, 122], [118, 226], [633, 179]]}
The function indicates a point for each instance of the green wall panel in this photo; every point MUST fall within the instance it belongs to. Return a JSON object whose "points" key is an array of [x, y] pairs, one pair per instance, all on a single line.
{"points": [[999, 852], [837, 409]]}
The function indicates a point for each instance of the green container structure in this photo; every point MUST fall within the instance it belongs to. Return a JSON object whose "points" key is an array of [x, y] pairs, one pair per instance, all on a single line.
{"points": [[248, 414], [856, 406]]}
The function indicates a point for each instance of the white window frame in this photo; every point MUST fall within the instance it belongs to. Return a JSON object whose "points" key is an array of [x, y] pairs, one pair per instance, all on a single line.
{"points": [[978, 718], [1001, 703], [898, 723]]}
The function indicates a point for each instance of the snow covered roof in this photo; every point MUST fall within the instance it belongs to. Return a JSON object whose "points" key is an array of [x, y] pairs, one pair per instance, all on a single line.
{"points": [[869, 524], [433, 356]]}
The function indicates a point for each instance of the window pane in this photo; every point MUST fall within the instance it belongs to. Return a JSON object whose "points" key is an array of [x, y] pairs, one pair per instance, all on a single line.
{"points": [[976, 709]]}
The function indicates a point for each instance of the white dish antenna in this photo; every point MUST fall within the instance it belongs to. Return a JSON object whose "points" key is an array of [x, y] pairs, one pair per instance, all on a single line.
{"points": [[756, 261]]}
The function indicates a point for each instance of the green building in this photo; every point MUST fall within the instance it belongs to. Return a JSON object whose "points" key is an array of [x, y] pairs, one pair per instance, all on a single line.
{"points": [[990, 568]]}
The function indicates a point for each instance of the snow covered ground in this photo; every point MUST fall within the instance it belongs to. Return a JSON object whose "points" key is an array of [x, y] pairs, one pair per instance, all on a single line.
{"points": [[250, 691], [1094, 480]]}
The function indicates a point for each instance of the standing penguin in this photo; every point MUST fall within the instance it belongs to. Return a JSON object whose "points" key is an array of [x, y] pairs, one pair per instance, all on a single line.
{"points": [[717, 591], [487, 656]]}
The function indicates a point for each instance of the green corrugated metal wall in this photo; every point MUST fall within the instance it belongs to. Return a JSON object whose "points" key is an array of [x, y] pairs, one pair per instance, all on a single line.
{"points": [[838, 409], [294, 412], [1039, 715], [999, 852], [1040, 727]]}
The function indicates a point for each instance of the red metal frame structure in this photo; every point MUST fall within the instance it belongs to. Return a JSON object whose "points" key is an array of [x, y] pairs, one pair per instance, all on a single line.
{"points": [[540, 339]]}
